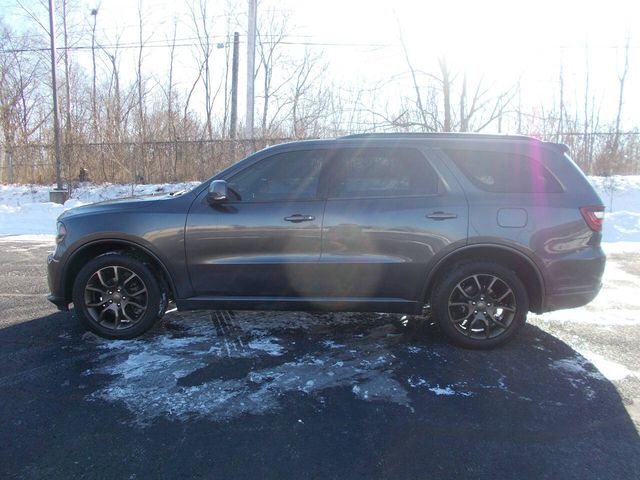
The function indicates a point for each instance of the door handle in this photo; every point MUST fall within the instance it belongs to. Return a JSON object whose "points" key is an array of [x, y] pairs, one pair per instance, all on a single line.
{"points": [[297, 218], [441, 216]]}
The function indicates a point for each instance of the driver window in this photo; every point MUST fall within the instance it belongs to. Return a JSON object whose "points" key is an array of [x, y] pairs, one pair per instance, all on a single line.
{"points": [[284, 176]]}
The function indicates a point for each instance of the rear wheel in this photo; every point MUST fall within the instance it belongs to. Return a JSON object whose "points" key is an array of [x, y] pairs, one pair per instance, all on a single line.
{"points": [[117, 296], [480, 304]]}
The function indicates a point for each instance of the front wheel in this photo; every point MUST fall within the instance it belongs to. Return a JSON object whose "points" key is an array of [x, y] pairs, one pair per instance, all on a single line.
{"points": [[117, 296], [480, 304]]}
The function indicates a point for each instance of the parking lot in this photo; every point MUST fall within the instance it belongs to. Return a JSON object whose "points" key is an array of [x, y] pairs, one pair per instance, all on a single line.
{"points": [[292, 395]]}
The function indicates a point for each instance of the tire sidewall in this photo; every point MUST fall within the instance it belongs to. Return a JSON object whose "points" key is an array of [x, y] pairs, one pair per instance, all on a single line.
{"points": [[440, 303], [153, 295]]}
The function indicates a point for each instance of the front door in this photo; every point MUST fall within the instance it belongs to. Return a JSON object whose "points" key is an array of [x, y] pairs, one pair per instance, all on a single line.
{"points": [[266, 240]]}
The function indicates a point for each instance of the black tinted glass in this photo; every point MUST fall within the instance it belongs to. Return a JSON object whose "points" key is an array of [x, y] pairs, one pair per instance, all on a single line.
{"points": [[504, 172], [284, 176], [373, 172]]}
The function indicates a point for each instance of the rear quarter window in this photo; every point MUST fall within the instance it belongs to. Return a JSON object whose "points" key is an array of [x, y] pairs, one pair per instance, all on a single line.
{"points": [[504, 172]]}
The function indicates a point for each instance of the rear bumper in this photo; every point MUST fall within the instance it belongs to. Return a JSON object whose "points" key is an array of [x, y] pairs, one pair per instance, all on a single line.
{"points": [[578, 298], [575, 279]]}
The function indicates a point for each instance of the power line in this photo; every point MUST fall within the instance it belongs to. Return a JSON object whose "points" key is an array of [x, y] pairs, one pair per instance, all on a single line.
{"points": [[190, 43]]}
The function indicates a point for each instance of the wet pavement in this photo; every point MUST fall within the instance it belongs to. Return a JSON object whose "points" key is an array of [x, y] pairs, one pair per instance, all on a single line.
{"points": [[294, 395]]}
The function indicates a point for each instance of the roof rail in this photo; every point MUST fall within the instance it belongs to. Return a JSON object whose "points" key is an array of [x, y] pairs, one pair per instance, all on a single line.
{"points": [[478, 136]]}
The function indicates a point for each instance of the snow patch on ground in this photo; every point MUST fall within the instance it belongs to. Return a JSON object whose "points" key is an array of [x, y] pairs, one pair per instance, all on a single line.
{"points": [[576, 366], [267, 345], [37, 239], [180, 373], [447, 390], [612, 370]]}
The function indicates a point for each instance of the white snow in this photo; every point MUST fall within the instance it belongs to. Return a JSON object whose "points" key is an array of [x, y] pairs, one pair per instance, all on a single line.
{"points": [[621, 196], [25, 209], [612, 370], [176, 375], [442, 391], [438, 390], [268, 345]]}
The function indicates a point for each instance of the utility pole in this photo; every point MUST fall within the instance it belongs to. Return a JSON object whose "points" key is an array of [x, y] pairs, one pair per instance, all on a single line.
{"points": [[234, 86], [56, 111], [251, 60]]}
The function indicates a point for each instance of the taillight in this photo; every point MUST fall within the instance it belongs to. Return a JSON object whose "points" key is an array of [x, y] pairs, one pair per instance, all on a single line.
{"points": [[593, 216]]}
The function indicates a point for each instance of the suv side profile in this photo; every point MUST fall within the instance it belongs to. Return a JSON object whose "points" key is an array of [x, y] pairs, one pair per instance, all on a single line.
{"points": [[481, 228]]}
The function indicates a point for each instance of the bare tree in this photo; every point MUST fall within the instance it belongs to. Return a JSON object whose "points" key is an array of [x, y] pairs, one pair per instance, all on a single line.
{"points": [[621, 79], [20, 97], [307, 99], [586, 142], [561, 103], [271, 32], [416, 86], [205, 45], [141, 89]]}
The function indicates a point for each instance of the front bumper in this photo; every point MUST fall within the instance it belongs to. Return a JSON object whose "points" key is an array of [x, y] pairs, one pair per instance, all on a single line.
{"points": [[61, 303], [54, 277]]}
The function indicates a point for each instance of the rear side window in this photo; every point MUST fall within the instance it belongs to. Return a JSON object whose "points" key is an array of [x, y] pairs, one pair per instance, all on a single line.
{"points": [[504, 172], [382, 172]]}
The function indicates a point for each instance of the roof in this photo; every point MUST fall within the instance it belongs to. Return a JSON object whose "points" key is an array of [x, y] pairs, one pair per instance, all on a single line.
{"points": [[439, 139], [438, 136]]}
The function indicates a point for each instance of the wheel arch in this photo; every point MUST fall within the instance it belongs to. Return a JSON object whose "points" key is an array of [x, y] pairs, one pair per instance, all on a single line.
{"points": [[93, 249], [528, 272]]}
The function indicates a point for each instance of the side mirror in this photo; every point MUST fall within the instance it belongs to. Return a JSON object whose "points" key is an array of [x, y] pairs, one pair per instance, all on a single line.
{"points": [[217, 192]]}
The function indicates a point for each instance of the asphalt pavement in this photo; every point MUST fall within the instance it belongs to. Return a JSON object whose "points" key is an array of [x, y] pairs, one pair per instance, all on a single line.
{"points": [[293, 395]]}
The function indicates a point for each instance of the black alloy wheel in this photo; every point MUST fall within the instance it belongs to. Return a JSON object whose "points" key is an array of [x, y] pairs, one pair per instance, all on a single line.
{"points": [[117, 296], [480, 304]]}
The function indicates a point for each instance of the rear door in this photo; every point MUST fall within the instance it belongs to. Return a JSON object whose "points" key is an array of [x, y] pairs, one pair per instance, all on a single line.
{"points": [[388, 213]]}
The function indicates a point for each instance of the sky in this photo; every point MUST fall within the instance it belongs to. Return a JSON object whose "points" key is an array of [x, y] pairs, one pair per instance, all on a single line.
{"points": [[502, 42]]}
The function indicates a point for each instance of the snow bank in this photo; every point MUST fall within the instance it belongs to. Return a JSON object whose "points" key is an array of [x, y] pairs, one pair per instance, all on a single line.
{"points": [[621, 195], [25, 209]]}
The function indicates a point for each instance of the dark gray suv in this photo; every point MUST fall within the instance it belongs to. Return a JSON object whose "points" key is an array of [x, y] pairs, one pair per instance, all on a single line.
{"points": [[482, 228]]}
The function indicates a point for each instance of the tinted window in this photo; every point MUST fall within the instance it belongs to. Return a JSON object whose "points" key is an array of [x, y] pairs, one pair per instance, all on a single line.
{"points": [[503, 172], [382, 172], [284, 176]]}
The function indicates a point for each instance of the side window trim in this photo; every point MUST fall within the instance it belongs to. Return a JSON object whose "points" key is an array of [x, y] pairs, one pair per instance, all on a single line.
{"points": [[320, 194], [336, 156], [468, 176]]}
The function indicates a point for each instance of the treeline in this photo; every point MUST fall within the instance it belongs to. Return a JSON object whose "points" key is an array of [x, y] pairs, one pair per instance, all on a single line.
{"points": [[126, 118]]}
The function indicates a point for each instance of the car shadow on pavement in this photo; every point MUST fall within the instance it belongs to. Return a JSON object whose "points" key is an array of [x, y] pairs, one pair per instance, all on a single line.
{"points": [[296, 395]]}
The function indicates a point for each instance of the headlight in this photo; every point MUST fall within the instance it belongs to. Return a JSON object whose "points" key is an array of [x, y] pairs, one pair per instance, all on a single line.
{"points": [[61, 232]]}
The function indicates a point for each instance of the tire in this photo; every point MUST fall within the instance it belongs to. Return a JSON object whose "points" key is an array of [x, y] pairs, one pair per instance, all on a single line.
{"points": [[480, 305], [117, 296]]}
